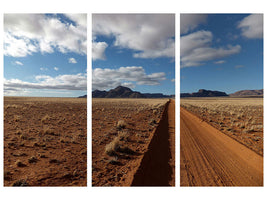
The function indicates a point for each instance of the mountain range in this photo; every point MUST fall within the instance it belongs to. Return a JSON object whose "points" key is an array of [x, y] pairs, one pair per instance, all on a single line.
{"points": [[247, 93], [124, 92], [210, 93]]}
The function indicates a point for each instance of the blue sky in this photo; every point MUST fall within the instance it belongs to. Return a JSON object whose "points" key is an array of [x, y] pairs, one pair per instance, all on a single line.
{"points": [[45, 55], [221, 52], [134, 50]]}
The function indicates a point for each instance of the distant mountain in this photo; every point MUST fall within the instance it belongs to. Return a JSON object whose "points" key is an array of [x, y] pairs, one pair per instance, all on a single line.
{"points": [[204, 93], [124, 92], [84, 96], [247, 93]]}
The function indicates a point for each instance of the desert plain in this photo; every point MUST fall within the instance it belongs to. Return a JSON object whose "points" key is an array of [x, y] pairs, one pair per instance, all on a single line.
{"points": [[131, 142], [45, 141]]}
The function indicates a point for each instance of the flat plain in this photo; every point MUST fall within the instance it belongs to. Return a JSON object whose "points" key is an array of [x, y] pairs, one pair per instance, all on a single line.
{"points": [[239, 118], [122, 130], [45, 141]]}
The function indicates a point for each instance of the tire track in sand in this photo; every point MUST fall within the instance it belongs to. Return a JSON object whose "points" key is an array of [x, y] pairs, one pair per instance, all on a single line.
{"points": [[157, 167], [210, 158]]}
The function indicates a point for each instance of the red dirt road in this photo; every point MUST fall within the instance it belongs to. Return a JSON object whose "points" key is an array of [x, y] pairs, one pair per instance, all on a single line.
{"points": [[210, 158]]}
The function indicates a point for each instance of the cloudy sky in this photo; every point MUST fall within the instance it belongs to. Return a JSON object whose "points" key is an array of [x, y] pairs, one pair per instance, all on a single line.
{"points": [[134, 50], [221, 52], [45, 55]]}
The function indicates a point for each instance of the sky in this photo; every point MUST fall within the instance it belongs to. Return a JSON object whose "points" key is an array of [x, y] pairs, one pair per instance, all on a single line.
{"points": [[135, 51], [45, 55], [222, 52]]}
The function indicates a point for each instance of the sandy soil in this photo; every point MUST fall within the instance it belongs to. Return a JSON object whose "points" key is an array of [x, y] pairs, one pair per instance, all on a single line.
{"points": [[211, 158], [45, 141], [142, 117]]}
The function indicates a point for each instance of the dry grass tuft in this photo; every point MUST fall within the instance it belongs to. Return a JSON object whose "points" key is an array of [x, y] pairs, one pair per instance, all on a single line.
{"points": [[20, 182], [121, 124], [124, 135], [112, 147]]}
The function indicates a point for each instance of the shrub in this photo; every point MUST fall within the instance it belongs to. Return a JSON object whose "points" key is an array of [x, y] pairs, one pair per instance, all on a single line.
{"points": [[112, 147], [121, 124], [20, 182]]}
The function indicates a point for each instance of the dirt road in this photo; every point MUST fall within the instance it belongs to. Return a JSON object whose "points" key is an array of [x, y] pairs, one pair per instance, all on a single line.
{"points": [[210, 158], [157, 167]]}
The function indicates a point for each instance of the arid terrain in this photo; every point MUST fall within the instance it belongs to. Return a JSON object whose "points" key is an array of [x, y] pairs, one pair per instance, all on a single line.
{"points": [[221, 142], [127, 135], [239, 118], [45, 141]]}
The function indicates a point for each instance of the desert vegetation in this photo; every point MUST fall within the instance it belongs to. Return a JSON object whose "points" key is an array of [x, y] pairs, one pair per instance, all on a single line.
{"points": [[239, 118], [45, 141], [121, 132]]}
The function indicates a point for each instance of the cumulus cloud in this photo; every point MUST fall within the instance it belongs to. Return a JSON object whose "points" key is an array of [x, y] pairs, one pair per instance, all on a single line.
{"points": [[103, 79], [18, 63], [72, 60], [189, 22], [29, 33], [61, 82], [56, 68], [252, 26], [149, 35], [196, 48], [98, 50]]}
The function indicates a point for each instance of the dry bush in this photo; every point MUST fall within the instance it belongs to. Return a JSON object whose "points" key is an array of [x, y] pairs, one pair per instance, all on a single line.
{"points": [[121, 124], [20, 182], [112, 147], [124, 135]]}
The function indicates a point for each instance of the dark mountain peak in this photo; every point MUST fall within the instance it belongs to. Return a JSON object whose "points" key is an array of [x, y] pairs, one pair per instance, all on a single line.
{"points": [[204, 93], [124, 92], [121, 89]]}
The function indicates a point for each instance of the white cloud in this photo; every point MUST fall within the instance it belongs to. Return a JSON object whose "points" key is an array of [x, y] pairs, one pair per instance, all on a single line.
{"points": [[98, 50], [252, 26], [18, 63], [72, 60], [149, 35], [29, 33], [79, 19], [17, 47], [56, 68], [43, 69], [219, 62], [103, 79], [189, 22], [61, 82], [196, 49]]}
